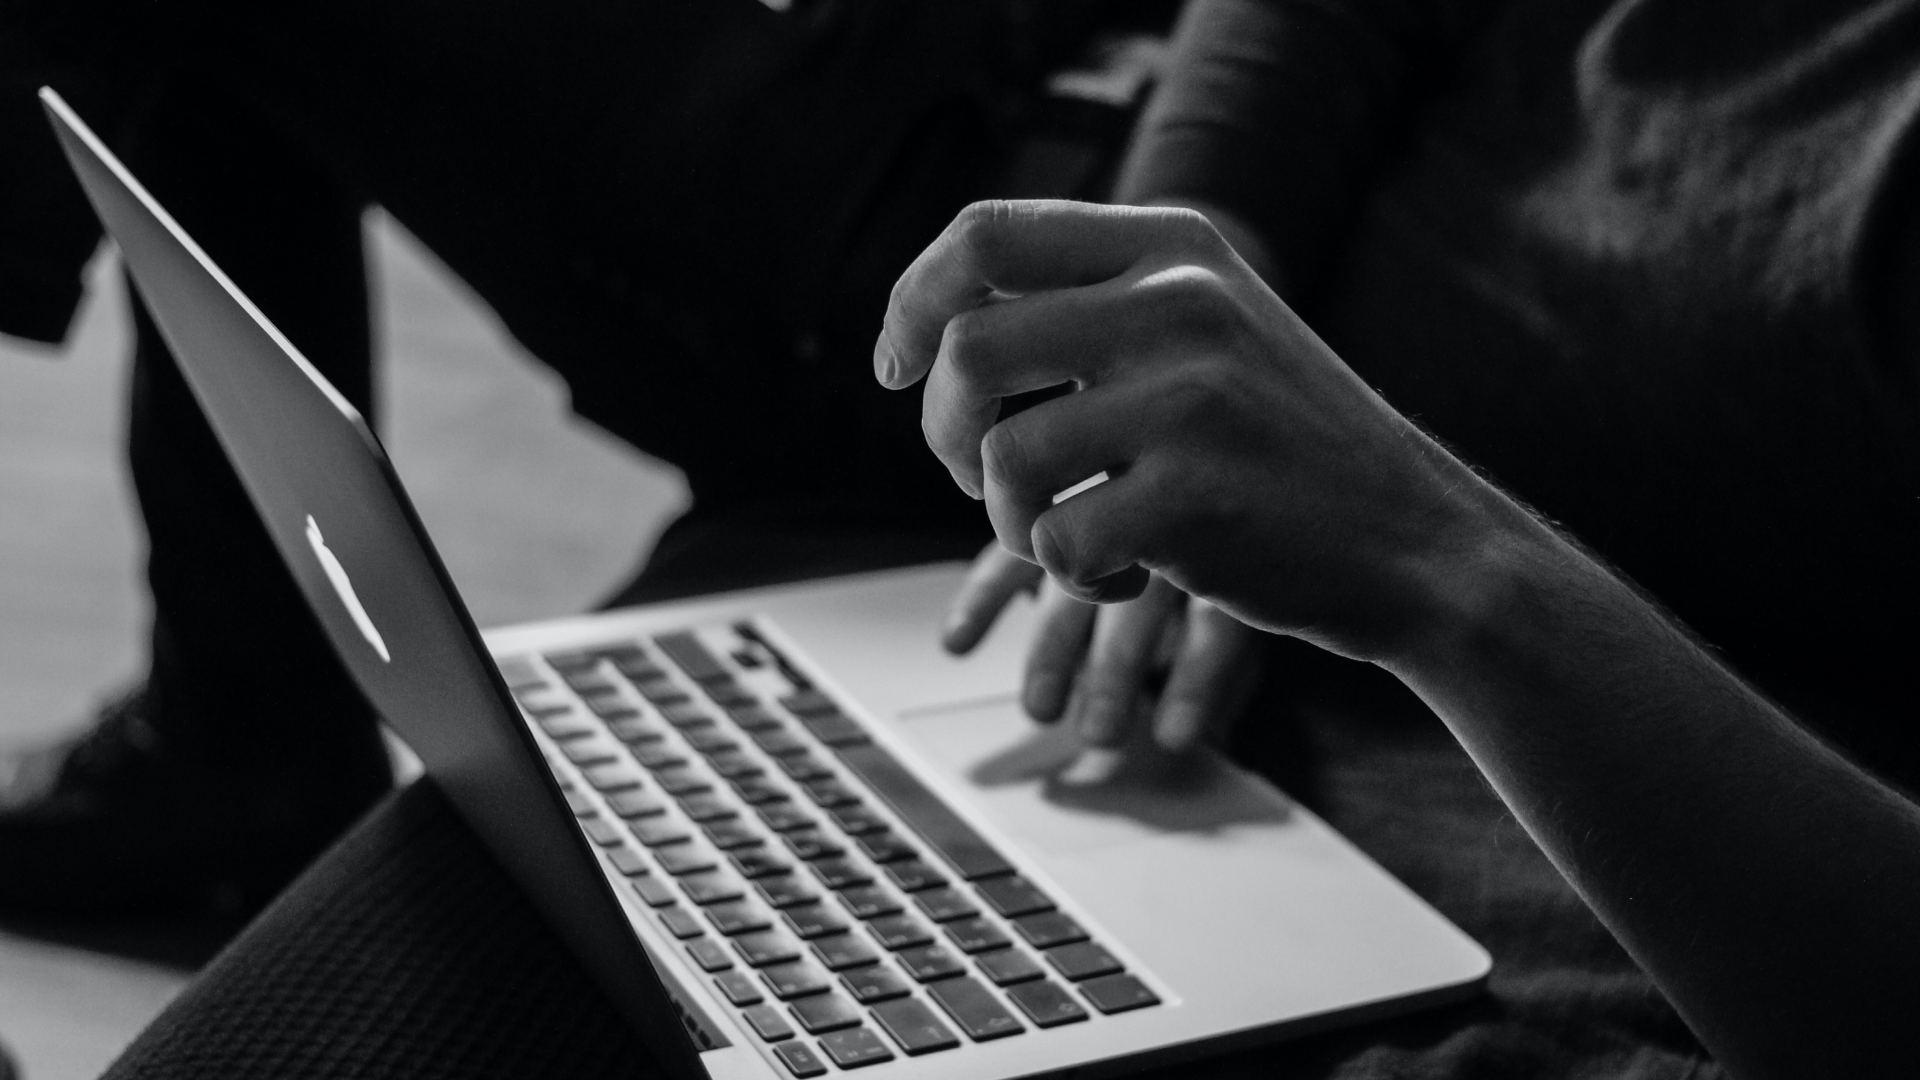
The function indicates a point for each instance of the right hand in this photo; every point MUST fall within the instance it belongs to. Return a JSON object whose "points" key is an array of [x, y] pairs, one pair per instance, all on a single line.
{"points": [[1097, 667]]}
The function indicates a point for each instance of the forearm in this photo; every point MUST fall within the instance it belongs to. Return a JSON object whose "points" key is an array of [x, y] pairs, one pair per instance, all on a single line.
{"points": [[1764, 881]]}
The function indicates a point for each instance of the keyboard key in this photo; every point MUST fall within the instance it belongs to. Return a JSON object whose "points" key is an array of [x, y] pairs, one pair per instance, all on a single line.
{"points": [[1008, 966], [767, 1022], [604, 832], [976, 935], [899, 931], [855, 820], [778, 741], [627, 861], [680, 859], [566, 726], [855, 1047], [751, 717], [693, 658], [1082, 960], [1046, 1004], [885, 846], [662, 692], [739, 988], [580, 803], [585, 752], [680, 922], [709, 954], [838, 873], [638, 668], [704, 889], [796, 979], [729, 833], [754, 790], [814, 920], [1048, 929], [842, 951], [653, 891], [612, 708], [682, 781], [738, 917], [828, 791], [658, 755], [710, 741], [826, 1012], [812, 844], [634, 804], [868, 901], [803, 767], [1013, 896], [975, 1009], [786, 890], [571, 663], [835, 729], [685, 714], [1118, 993], [944, 903], [799, 1059], [615, 776], [634, 730], [876, 982], [929, 962], [734, 765], [784, 817], [755, 862], [807, 702], [763, 947], [912, 875], [725, 692], [704, 806], [914, 1026], [956, 841]]}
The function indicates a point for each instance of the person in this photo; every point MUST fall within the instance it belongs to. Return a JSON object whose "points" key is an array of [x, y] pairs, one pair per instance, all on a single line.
{"points": [[1642, 260], [692, 211], [1762, 877]]}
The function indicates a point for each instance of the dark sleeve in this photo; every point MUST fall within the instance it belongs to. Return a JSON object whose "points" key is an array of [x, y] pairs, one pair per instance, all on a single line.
{"points": [[1281, 110]]}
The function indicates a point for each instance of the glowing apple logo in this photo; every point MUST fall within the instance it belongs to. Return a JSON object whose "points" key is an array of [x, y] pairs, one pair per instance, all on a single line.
{"points": [[337, 574]]}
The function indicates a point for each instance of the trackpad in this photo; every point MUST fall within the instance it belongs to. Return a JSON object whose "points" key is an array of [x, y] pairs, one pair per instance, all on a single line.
{"points": [[1041, 785]]}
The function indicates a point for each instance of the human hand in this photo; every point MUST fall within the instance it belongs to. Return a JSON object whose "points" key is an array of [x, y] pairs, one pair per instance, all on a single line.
{"points": [[1247, 464], [1096, 668]]}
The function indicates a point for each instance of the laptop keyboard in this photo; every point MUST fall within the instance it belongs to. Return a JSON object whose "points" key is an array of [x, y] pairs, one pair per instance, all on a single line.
{"points": [[750, 825]]}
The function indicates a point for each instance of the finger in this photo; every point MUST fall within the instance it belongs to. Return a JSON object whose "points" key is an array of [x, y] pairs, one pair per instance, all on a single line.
{"points": [[1059, 643], [1031, 458], [1120, 660], [1213, 675], [1015, 247], [996, 576], [1093, 543], [998, 350]]}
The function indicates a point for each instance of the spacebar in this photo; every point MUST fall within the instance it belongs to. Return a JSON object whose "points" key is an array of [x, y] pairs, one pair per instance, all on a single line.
{"points": [[939, 826]]}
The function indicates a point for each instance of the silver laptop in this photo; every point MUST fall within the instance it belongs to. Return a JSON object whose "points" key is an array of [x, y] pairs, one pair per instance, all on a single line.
{"points": [[787, 833]]}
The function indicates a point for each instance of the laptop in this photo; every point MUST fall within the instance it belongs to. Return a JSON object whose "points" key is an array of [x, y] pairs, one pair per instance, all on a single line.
{"points": [[786, 833]]}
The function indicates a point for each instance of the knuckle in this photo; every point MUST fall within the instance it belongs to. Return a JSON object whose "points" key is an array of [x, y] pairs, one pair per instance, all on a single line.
{"points": [[1005, 453], [983, 226], [967, 343]]}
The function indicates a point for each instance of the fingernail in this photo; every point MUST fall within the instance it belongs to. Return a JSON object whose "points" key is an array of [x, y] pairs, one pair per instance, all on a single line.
{"points": [[1178, 726], [885, 366], [1042, 698]]}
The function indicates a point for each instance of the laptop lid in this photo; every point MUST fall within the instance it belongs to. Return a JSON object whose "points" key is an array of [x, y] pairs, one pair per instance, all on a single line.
{"points": [[343, 525]]}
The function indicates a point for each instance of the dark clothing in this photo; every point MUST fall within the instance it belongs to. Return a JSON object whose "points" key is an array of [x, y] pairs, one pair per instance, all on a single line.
{"points": [[1632, 259]]}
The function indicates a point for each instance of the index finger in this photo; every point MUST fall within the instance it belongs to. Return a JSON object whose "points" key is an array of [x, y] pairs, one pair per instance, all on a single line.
{"points": [[1014, 247]]}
